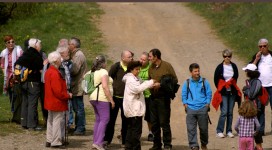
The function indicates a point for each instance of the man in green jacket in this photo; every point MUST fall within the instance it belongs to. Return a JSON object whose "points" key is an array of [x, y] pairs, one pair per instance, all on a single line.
{"points": [[144, 76]]}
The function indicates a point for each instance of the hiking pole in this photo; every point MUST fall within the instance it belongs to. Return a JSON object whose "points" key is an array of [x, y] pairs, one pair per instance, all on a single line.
{"points": [[65, 130], [209, 119]]}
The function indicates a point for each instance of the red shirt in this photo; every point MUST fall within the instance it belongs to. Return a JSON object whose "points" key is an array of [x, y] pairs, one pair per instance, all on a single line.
{"points": [[56, 94]]}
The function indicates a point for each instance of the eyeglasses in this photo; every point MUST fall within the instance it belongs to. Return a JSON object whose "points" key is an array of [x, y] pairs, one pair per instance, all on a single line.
{"points": [[227, 56], [261, 46], [10, 42]]}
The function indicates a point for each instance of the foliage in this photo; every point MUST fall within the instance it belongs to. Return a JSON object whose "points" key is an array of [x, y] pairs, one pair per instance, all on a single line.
{"points": [[50, 22], [241, 25]]}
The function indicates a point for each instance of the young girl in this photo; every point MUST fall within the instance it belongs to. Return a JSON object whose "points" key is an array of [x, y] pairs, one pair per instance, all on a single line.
{"points": [[245, 125]]}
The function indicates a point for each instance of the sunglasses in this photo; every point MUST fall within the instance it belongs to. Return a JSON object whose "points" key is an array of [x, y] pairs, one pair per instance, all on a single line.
{"points": [[261, 46], [227, 56], [10, 42]]}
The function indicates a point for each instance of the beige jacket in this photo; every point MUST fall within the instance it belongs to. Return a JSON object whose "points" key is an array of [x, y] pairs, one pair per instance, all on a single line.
{"points": [[78, 70]]}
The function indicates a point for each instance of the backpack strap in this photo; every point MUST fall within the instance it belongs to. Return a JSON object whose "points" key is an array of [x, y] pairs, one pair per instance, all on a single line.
{"points": [[97, 91], [188, 88], [203, 85]]}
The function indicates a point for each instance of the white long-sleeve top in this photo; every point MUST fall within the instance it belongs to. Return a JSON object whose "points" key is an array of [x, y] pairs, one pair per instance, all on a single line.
{"points": [[134, 102]]}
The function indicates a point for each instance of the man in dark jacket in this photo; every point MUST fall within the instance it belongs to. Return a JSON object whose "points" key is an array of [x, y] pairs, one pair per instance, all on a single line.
{"points": [[160, 104], [117, 71], [31, 87]]}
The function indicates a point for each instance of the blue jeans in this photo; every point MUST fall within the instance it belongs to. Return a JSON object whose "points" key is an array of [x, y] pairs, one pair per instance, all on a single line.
{"points": [[226, 108], [71, 115], [78, 107]]}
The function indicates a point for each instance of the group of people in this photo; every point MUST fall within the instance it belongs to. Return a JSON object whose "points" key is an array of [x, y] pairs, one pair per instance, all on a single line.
{"points": [[134, 88], [55, 81], [139, 88], [250, 125]]}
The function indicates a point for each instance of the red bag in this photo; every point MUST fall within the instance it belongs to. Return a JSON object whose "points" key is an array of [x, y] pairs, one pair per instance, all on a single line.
{"points": [[264, 97]]}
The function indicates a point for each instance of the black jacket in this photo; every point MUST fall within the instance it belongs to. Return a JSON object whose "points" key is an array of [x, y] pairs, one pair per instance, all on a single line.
{"points": [[219, 72], [32, 59]]}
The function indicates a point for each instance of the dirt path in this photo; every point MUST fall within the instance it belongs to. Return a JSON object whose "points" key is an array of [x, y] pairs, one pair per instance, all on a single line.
{"points": [[183, 38]]}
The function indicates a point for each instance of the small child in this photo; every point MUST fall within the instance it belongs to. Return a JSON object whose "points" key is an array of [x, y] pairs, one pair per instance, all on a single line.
{"points": [[245, 125]]}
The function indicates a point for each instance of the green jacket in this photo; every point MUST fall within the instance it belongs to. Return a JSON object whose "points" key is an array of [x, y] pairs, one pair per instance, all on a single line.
{"points": [[144, 76]]}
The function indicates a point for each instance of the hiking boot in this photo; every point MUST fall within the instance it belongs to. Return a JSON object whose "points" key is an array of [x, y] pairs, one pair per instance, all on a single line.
{"points": [[150, 137], [78, 133], [204, 147], [167, 148], [47, 144], [155, 148]]}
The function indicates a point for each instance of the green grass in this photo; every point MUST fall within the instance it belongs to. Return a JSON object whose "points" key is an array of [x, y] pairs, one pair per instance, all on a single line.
{"points": [[240, 25], [5, 124], [50, 23]]}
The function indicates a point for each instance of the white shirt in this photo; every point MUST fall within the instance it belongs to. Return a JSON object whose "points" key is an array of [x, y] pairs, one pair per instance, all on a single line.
{"points": [[228, 72], [265, 69]]}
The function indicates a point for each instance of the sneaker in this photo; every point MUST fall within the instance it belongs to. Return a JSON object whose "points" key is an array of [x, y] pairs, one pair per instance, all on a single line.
{"points": [[195, 148], [150, 137], [123, 146], [98, 147], [230, 135], [221, 135]]}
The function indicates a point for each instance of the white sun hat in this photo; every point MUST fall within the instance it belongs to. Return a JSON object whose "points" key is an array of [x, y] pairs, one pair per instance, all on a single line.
{"points": [[251, 67]]}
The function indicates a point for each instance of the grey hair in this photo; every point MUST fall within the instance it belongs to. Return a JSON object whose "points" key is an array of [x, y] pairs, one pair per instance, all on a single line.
{"points": [[62, 49], [145, 53], [63, 42], [263, 40], [227, 52], [34, 42], [75, 41], [98, 62], [53, 57]]}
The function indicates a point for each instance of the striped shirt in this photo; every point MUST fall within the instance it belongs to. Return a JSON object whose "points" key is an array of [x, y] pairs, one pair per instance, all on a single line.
{"points": [[245, 126]]}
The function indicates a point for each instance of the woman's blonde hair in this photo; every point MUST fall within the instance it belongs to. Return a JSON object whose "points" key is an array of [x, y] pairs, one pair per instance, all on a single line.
{"points": [[247, 109]]}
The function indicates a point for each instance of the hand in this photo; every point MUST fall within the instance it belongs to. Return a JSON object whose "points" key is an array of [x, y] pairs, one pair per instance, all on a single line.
{"points": [[185, 106], [255, 133], [258, 55], [209, 109], [112, 104], [245, 88], [45, 62], [71, 95], [156, 85]]}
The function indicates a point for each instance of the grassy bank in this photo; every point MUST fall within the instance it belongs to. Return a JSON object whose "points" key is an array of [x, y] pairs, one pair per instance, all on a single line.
{"points": [[50, 23], [240, 25]]}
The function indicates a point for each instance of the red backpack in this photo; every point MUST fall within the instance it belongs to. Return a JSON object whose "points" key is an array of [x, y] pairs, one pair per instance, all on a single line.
{"points": [[264, 96]]}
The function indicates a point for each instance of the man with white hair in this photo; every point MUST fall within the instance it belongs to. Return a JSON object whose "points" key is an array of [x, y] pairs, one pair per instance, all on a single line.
{"points": [[31, 59], [263, 60], [77, 72]]}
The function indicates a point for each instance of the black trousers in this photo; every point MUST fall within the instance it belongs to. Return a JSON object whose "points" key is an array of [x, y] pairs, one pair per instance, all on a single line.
{"points": [[44, 111], [134, 133], [113, 115], [160, 112], [31, 94], [17, 97]]}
